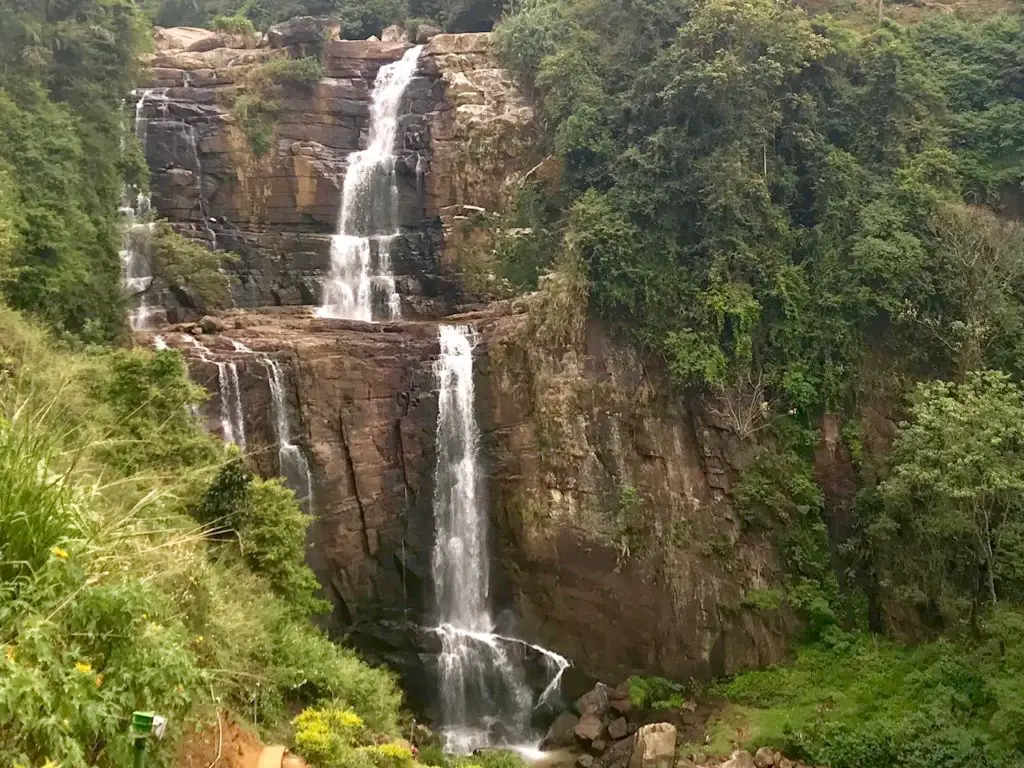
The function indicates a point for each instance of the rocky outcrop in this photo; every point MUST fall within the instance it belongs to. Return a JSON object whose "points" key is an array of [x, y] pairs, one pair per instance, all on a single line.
{"points": [[464, 132], [610, 495]]}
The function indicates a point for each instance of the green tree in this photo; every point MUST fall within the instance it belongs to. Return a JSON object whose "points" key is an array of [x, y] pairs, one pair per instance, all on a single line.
{"points": [[954, 499]]}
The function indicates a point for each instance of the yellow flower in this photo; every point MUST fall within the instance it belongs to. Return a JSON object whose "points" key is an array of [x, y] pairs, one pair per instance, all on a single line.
{"points": [[61, 553], [49, 764], [99, 680], [9, 652], [83, 667], [199, 638]]}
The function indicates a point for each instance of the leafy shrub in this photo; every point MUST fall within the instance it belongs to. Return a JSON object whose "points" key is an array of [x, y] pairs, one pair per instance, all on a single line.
{"points": [[323, 735], [189, 265], [654, 693], [234, 25], [257, 109]]}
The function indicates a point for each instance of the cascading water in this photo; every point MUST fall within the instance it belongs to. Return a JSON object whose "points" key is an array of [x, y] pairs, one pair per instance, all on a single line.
{"points": [[483, 691], [232, 416], [135, 264], [291, 461], [368, 222]]}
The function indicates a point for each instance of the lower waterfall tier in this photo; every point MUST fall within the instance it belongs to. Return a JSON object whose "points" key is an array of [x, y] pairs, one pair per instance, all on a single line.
{"points": [[565, 423]]}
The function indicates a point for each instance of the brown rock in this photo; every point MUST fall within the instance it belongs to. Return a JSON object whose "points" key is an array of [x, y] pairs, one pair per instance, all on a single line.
{"points": [[594, 702], [589, 728], [618, 728], [426, 32], [655, 746], [394, 34], [764, 757], [303, 30], [561, 733], [740, 759], [185, 39], [786, 763], [212, 324], [597, 746], [616, 756], [585, 761]]}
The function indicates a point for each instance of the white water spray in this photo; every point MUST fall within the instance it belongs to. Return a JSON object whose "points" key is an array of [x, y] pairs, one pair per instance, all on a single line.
{"points": [[368, 221], [232, 416], [292, 464], [483, 691]]}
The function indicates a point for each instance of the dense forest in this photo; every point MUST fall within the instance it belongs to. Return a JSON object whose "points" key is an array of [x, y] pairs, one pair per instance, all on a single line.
{"points": [[801, 214]]}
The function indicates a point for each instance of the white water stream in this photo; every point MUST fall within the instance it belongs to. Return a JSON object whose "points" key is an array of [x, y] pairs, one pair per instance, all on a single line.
{"points": [[484, 696], [137, 271], [360, 283]]}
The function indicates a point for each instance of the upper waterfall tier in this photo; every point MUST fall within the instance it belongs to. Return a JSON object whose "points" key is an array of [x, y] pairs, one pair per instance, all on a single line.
{"points": [[360, 284]]}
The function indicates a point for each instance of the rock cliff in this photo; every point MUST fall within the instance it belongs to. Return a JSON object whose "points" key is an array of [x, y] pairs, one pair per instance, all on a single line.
{"points": [[615, 542]]}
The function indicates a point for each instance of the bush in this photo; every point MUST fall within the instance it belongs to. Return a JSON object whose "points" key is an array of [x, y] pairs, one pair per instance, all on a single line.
{"points": [[653, 693], [234, 25]]}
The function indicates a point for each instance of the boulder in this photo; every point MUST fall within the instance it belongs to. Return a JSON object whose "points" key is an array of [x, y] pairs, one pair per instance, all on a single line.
{"points": [[585, 761], [764, 757], [616, 756], [560, 734], [597, 746], [394, 34], [191, 39], [589, 728], [618, 728], [740, 759], [594, 702], [211, 324], [303, 29], [786, 763], [655, 747], [573, 683], [426, 32]]}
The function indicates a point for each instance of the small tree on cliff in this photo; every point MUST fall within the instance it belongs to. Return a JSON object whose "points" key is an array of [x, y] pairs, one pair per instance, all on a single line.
{"points": [[952, 531]]}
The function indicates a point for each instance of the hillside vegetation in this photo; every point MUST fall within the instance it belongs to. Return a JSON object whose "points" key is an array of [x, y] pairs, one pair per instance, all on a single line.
{"points": [[133, 547], [806, 217]]}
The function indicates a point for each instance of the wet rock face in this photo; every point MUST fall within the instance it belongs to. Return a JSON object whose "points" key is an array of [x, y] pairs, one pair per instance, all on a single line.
{"points": [[463, 131]]}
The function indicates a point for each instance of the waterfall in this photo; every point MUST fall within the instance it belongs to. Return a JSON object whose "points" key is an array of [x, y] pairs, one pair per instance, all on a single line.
{"points": [[368, 221], [135, 264], [292, 464], [232, 416], [483, 691]]}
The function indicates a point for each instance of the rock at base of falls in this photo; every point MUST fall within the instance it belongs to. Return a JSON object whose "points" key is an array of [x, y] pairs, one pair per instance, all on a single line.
{"points": [[654, 747]]}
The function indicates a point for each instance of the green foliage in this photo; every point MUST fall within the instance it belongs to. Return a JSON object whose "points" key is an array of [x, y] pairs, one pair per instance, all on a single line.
{"points": [[778, 494], [188, 265], [323, 735], [867, 703], [111, 598], [758, 195], [950, 533], [64, 70], [257, 109], [655, 693], [763, 599], [526, 242], [146, 400], [235, 25]]}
